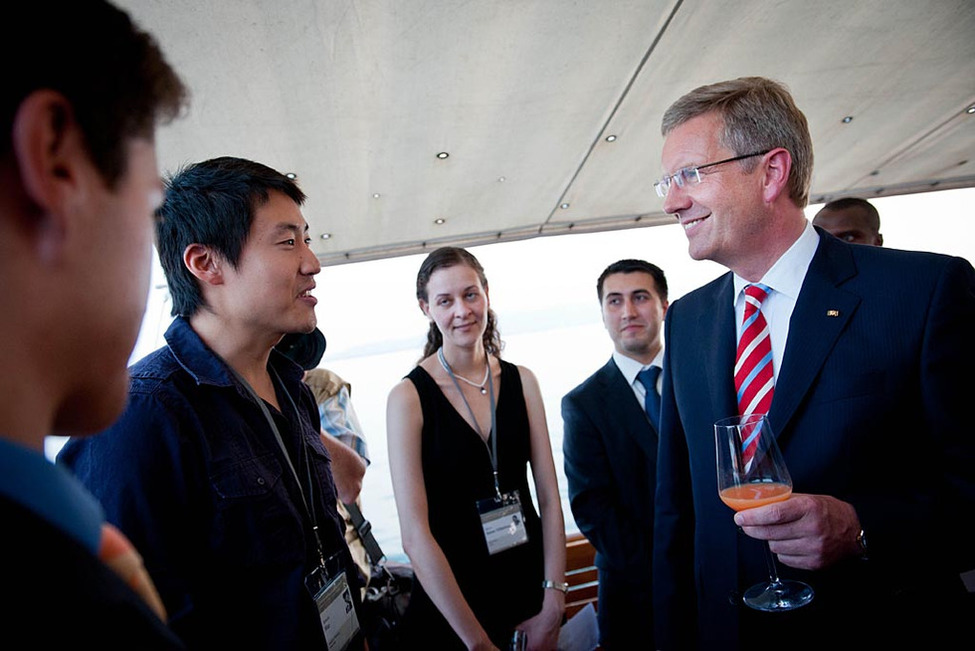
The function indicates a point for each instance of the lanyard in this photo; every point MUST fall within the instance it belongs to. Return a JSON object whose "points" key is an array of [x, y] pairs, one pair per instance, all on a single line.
{"points": [[493, 450], [284, 450]]}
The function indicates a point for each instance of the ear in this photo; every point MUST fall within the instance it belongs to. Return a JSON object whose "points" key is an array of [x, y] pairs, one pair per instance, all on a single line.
{"points": [[425, 308], [50, 149], [53, 163], [778, 164], [204, 264]]}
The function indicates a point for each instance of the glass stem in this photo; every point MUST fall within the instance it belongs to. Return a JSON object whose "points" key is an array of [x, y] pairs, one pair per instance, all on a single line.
{"points": [[773, 570]]}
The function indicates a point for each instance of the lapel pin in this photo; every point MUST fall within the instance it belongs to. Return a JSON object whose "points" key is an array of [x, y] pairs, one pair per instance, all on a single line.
{"points": [[832, 312]]}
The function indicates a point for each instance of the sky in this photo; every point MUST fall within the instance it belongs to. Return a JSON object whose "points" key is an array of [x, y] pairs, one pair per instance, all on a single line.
{"points": [[544, 293]]}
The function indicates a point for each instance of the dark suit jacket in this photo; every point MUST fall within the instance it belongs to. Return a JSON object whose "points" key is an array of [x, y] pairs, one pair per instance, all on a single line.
{"points": [[58, 595], [870, 407], [610, 451]]}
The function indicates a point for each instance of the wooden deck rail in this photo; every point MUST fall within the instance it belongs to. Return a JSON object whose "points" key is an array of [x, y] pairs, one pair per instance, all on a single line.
{"points": [[580, 574]]}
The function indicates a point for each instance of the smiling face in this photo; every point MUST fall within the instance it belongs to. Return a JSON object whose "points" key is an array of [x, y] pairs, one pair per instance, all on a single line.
{"points": [[633, 313], [269, 292], [458, 303], [724, 213]]}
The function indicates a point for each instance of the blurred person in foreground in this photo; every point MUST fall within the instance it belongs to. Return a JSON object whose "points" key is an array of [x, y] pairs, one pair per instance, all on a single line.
{"points": [[217, 468], [463, 427], [851, 219], [78, 184], [610, 449], [866, 348]]}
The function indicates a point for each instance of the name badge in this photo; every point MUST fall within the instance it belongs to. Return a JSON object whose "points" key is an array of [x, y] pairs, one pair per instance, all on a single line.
{"points": [[503, 522], [336, 610]]}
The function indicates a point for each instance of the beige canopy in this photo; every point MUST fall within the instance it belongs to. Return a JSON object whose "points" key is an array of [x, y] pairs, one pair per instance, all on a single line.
{"points": [[547, 112]]}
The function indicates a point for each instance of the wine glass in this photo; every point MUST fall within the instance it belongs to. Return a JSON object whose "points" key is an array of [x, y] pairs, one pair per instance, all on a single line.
{"points": [[751, 472]]}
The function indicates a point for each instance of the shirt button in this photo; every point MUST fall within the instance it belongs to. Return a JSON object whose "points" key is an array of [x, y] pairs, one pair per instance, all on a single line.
{"points": [[260, 481]]}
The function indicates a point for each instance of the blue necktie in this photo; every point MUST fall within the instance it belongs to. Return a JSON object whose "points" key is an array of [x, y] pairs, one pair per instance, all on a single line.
{"points": [[651, 403]]}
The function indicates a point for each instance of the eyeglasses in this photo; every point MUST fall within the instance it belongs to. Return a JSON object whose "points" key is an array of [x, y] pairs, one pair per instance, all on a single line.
{"points": [[687, 175]]}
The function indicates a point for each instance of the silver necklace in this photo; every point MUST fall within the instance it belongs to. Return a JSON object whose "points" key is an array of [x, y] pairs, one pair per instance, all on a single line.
{"points": [[480, 387]]}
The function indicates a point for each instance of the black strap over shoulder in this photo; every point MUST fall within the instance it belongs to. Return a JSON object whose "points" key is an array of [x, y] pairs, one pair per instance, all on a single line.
{"points": [[364, 528]]}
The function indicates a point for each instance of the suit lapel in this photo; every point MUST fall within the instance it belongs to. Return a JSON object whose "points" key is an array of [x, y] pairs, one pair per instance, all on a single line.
{"points": [[820, 316], [623, 408], [713, 365], [718, 348]]}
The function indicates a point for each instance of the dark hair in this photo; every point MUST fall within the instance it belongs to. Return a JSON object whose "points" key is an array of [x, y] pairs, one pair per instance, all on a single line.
{"points": [[759, 115], [212, 203], [113, 74], [856, 203], [632, 266], [442, 258]]}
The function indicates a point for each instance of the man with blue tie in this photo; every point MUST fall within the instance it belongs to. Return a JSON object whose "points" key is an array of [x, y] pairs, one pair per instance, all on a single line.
{"points": [[610, 449], [867, 348]]}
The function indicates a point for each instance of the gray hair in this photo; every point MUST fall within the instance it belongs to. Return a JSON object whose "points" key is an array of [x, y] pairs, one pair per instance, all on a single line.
{"points": [[759, 114]]}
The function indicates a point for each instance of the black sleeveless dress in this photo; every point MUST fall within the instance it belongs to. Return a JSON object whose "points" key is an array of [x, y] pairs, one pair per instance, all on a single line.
{"points": [[504, 589]]}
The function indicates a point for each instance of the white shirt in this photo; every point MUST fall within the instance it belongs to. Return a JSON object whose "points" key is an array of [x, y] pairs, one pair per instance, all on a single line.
{"points": [[785, 278], [629, 367]]}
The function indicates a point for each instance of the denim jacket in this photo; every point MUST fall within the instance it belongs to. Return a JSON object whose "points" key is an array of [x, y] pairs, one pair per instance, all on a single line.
{"points": [[194, 475]]}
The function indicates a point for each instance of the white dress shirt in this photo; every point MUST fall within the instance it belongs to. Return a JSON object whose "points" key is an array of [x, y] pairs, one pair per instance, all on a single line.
{"points": [[785, 278], [629, 367]]}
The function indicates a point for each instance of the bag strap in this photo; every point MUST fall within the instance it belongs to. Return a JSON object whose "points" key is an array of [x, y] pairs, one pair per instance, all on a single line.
{"points": [[364, 528]]}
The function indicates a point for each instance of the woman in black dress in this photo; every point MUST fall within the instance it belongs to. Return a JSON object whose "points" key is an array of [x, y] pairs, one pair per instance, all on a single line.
{"points": [[462, 429]]}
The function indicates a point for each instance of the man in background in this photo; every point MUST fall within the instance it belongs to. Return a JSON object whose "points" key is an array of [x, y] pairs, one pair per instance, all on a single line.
{"points": [[84, 90], [852, 220], [341, 431], [610, 450]]}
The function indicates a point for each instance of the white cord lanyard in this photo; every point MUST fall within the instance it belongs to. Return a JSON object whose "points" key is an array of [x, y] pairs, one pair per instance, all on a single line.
{"points": [[493, 450]]}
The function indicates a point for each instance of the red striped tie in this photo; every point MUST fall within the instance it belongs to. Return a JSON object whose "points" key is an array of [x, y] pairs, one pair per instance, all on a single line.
{"points": [[117, 552], [754, 381]]}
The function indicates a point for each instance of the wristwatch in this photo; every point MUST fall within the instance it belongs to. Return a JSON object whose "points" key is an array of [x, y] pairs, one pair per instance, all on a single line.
{"points": [[862, 543], [564, 587]]}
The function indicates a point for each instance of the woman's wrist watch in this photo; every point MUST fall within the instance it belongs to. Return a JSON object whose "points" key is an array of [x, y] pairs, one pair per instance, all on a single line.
{"points": [[564, 587]]}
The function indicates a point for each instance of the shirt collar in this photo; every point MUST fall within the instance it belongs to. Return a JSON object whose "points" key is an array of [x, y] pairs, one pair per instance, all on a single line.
{"points": [[30, 479], [788, 272], [206, 367], [629, 367]]}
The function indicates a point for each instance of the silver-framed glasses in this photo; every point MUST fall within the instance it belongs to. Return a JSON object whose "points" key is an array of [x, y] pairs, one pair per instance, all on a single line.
{"points": [[692, 175]]}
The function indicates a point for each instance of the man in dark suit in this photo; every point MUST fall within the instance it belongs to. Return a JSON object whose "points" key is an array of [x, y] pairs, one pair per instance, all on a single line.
{"points": [[610, 449], [83, 92], [869, 349]]}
